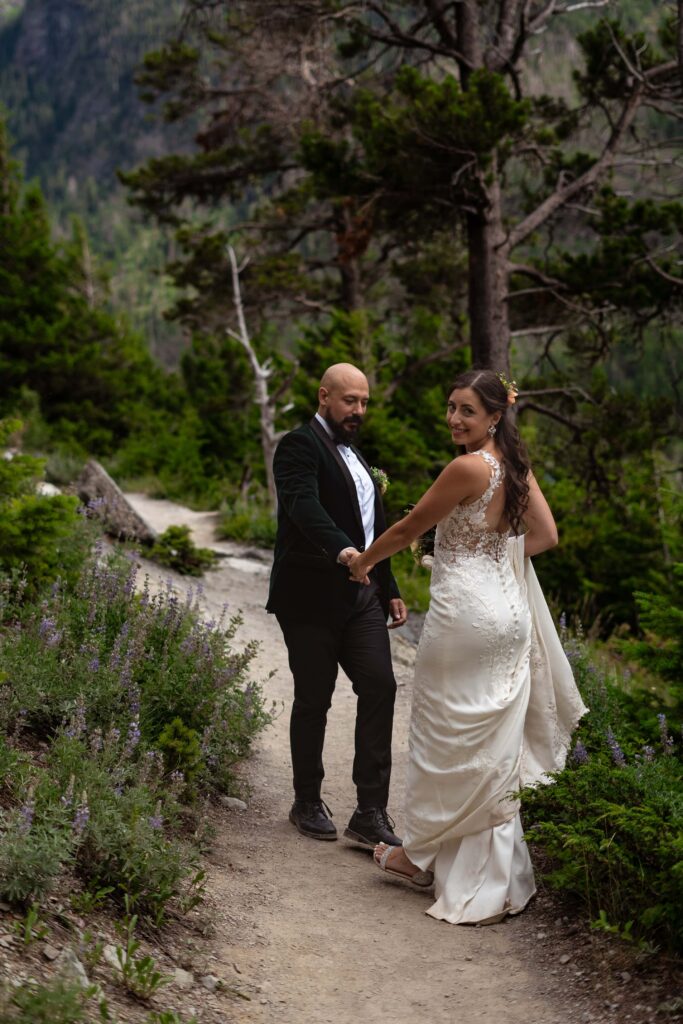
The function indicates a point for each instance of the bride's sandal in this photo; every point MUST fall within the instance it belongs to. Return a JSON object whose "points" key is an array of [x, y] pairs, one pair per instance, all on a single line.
{"points": [[421, 879]]}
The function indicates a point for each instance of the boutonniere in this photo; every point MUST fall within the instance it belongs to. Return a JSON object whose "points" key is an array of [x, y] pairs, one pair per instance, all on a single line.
{"points": [[380, 478]]}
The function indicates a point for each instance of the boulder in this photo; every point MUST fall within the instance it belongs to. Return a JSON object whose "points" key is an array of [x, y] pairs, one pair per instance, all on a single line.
{"points": [[118, 516]]}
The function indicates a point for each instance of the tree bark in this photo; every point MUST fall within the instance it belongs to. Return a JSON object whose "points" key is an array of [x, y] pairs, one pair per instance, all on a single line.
{"points": [[488, 282], [269, 435]]}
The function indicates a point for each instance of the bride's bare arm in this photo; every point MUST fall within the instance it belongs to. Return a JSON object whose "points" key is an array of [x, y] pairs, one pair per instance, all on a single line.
{"points": [[541, 530], [461, 479]]}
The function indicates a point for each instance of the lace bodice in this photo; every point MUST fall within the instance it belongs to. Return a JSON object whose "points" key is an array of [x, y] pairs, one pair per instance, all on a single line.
{"points": [[464, 533]]}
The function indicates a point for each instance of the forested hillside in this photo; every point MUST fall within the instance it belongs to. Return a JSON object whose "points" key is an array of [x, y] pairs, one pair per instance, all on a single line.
{"points": [[75, 116]]}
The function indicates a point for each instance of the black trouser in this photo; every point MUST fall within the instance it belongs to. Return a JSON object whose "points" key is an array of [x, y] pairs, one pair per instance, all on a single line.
{"points": [[359, 642]]}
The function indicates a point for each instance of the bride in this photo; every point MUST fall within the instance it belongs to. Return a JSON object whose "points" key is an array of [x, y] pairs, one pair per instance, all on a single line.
{"points": [[494, 701]]}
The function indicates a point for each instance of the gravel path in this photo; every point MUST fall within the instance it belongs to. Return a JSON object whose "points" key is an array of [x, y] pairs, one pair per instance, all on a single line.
{"points": [[311, 930]]}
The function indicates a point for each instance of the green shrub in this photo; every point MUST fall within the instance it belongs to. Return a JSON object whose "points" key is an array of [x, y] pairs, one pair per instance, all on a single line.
{"points": [[611, 823], [32, 854], [181, 749], [413, 581], [40, 536], [105, 677], [176, 549], [53, 1002], [249, 518]]}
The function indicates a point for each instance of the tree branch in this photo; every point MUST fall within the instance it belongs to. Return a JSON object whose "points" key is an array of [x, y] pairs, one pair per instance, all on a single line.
{"points": [[662, 273], [575, 428], [561, 196]]}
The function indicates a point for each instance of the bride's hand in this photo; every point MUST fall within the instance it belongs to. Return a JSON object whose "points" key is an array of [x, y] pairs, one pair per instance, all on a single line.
{"points": [[358, 573]]}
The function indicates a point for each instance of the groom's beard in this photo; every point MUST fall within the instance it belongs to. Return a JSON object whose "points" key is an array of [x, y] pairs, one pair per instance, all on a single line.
{"points": [[344, 431]]}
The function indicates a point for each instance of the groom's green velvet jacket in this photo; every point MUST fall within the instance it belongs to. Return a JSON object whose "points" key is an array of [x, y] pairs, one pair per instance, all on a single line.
{"points": [[318, 515]]}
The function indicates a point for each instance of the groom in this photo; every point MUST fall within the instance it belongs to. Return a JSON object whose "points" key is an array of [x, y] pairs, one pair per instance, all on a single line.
{"points": [[330, 508]]}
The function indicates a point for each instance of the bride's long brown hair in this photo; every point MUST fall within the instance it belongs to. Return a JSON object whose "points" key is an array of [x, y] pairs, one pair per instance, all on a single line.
{"points": [[494, 398]]}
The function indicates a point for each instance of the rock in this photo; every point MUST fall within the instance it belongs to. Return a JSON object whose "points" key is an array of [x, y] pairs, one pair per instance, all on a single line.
{"points": [[541, 935], [233, 803], [110, 956], [118, 515], [4, 907], [46, 489], [210, 982], [71, 968], [182, 979], [625, 977], [565, 958], [50, 952]]}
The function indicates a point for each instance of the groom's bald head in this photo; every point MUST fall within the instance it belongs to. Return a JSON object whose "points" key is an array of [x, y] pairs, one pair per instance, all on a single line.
{"points": [[343, 398]]}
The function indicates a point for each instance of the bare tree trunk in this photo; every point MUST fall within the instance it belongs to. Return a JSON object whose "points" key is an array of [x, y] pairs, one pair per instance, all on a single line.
{"points": [[262, 373], [488, 282]]}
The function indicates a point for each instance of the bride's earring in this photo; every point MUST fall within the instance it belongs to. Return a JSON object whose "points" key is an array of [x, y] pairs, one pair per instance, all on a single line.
{"points": [[492, 430]]}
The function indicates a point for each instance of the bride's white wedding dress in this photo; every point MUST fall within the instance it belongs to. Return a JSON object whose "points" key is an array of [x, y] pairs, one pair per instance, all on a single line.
{"points": [[494, 705]]}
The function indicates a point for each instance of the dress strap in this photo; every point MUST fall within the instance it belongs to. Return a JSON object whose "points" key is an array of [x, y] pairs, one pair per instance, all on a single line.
{"points": [[496, 476]]}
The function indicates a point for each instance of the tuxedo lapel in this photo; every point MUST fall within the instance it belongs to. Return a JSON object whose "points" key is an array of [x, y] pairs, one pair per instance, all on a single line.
{"points": [[348, 479]]}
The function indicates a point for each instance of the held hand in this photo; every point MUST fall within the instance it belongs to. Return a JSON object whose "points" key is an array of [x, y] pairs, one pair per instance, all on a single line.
{"points": [[398, 612], [358, 572]]}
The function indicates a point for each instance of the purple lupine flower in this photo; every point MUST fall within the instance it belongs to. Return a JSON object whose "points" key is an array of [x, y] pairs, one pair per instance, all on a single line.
{"points": [[67, 797], [47, 628], [618, 755], [26, 813], [666, 739], [77, 725], [156, 820], [96, 741], [117, 649], [563, 620], [579, 753], [133, 737], [648, 754], [94, 665], [82, 815]]}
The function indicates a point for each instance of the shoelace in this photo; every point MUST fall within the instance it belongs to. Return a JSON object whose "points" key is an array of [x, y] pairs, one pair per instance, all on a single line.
{"points": [[314, 804], [386, 820]]}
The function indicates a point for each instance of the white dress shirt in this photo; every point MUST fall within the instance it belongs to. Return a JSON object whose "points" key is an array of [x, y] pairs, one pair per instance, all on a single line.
{"points": [[365, 488]]}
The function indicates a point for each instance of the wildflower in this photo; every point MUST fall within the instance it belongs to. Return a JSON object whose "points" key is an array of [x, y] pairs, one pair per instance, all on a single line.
{"points": [[82, 815], [77, 725], [96, 741], [617, 753], [563, 620], [67, 797], [648, 754], [133, 737], [48, 632], [26, 813], [666, 739], [93, 665], [579, 753], [156, 820]]}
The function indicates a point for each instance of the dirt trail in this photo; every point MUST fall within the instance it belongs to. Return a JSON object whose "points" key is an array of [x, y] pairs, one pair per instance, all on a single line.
{"points": [[311, 930]]}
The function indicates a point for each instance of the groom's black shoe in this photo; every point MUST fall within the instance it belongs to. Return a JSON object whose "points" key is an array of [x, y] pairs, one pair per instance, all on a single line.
{"points": [[372, 827], [310, 818]]}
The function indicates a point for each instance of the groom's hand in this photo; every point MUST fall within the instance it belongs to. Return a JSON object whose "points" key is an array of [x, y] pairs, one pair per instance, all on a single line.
{"points": [[346, 557], [398, 612]]}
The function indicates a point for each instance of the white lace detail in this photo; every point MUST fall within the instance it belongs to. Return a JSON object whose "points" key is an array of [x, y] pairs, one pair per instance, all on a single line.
{"points": [[464, 533]]}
